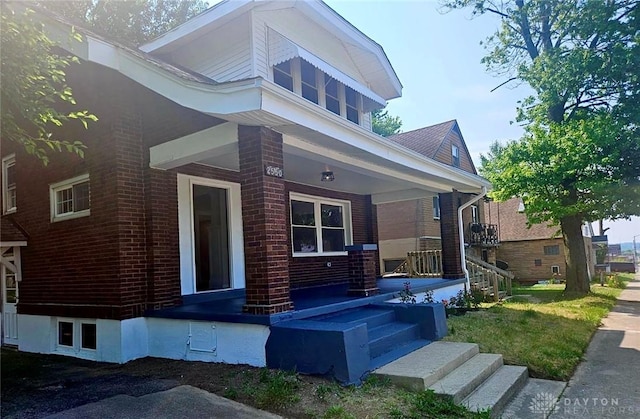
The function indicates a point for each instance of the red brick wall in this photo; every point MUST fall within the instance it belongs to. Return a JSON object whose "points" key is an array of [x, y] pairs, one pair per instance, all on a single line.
{"points": [[310, 271]]}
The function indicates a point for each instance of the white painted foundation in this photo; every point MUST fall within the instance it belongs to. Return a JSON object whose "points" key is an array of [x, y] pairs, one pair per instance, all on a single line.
{"points": [[123, 341]]}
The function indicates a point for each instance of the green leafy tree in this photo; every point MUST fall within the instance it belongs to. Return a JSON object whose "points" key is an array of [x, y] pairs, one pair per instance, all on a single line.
{"points": [[384, 124], [579, 160], [32, 83], [131, 22]]}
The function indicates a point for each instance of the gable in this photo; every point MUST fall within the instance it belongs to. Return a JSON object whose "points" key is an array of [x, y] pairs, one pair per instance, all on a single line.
{"points": [[444, 152]]}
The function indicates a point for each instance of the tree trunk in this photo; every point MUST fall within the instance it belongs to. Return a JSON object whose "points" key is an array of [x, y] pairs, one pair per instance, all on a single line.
{"points": [[575, 255]]}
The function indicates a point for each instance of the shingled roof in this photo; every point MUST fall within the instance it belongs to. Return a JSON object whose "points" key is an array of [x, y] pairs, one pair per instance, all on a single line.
{"points": [[425, 141], [9, 232]]}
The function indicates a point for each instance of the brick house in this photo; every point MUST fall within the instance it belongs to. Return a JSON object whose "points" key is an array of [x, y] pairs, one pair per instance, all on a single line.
{"points": [[532, 254], [413, 223], [232, 172]]}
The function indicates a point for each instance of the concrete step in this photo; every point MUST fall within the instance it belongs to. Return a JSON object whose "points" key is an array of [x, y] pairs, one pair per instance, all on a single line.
{"points": [[396, 352], [372, 316], [388, 336], [467, 377], [495, 392], [535, 400], [425, 366]]}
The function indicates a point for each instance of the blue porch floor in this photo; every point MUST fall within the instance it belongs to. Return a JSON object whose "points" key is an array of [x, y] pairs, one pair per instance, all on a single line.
{"points": [[307, 302]]}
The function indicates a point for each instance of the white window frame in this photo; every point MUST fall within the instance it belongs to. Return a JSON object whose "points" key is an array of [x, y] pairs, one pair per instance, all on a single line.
{"points": [[455, 155], [76, 347], [435, 201], [475, 215], [317, 203], [7, 162], [555, 270], [296, 74], [67, 184]]}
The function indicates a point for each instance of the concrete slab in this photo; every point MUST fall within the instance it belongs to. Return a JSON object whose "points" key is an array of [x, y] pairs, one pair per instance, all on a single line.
{"points": [[463, 380], [423, 367], [183, 402], [607, 383], [536, 400], [497, 390]]}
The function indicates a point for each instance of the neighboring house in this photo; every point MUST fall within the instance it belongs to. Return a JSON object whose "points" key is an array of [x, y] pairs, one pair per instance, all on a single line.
{"points": [[233, 165], [413, 224], [532, 254]]}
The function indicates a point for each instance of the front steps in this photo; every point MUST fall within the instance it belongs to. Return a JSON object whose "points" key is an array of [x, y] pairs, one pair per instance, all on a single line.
{"points": [[458, 371], [348, 344]]}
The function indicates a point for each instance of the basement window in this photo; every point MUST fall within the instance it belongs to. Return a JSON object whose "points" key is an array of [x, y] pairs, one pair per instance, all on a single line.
{"points": [[65, 334], [77, 336], [70, 198]]}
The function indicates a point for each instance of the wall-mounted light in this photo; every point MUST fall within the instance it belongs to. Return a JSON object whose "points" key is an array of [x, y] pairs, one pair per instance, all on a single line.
{"points": [[327, 176]]}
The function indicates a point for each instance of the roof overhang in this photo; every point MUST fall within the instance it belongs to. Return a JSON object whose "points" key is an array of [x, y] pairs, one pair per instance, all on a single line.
{"points": [[360, 46], [307, 127]]}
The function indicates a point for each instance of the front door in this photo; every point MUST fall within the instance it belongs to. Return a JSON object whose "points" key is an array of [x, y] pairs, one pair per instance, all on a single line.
{"points": [[211, 234], [9, 301]]}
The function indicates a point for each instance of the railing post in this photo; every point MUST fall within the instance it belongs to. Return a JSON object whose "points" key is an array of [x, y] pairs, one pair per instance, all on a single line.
{"points": [[496, 289]]}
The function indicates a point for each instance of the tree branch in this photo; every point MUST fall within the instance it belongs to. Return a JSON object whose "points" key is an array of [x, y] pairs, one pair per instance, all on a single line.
{"points": [[502, 84]]}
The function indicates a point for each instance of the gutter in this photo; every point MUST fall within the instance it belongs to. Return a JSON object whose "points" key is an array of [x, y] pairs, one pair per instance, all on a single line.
{"points": [[463, 260]]}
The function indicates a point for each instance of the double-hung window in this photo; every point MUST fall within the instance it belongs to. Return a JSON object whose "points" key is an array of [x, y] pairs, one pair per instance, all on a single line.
{"points": [[319, 226], [551, 250], [332, 100], [352, 99], [283, 75], [309, 81], [9, 202], [70, 198]]}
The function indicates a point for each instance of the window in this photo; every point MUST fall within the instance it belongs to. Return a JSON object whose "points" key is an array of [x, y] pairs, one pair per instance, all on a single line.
{"points": [[351, 99], [9, 203], [474, 214], [436, 207], [455, 155], [70, 329], [537, 262], [552, 250], [309, 82], [70, 199], [555, 269], [88, 336], [332, 100], [65, 334], [283, 75], [390, 265], [319, 226]]}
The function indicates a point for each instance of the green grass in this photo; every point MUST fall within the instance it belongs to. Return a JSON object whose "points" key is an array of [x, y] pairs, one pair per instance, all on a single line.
{"points": [[539, 327]]}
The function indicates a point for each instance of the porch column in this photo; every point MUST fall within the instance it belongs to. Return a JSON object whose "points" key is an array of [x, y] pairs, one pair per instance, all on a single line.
{"points": [[449, 232], [264, 221], [362, 269]]}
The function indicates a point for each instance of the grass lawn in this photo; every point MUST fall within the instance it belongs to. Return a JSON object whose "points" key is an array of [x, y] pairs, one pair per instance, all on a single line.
{"points": [[539, 327]]}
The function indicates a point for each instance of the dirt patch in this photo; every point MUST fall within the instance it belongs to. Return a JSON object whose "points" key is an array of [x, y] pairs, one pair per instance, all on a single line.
{"points": [[35, 385]]}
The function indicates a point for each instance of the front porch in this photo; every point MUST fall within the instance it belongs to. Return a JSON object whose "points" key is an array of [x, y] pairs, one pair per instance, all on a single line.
{"points": [[227, 306]]}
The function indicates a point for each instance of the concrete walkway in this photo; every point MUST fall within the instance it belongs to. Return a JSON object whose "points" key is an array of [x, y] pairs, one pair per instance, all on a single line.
{"points": [[607, 383], [184, 402]]}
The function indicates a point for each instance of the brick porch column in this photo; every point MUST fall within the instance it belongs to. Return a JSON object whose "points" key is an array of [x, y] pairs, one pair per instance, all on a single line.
{"points": [[264, 221], [362, 269], [451, 264]]}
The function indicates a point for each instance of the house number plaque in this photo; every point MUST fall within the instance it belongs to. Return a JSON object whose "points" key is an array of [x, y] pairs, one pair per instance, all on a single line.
{"points": [[274, 171]]}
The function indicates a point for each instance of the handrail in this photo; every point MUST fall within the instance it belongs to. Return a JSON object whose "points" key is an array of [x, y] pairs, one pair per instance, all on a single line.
{"points": [[484, 264]]}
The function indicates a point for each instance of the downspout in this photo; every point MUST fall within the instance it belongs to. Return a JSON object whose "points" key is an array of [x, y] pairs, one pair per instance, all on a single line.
{"points": [[463, 258]]}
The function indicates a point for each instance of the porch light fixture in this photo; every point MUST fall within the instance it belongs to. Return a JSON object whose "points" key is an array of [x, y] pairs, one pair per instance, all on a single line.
{"points": [[327, 176]]}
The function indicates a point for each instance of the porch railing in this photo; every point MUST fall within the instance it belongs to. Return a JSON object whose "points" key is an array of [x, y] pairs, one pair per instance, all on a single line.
{"points": [[422, 264], [483, 234], [495, 283], [491, 280]]}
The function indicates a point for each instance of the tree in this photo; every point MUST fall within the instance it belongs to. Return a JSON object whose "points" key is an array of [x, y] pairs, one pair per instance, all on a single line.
{"points": [[32, 83], [384, 124], [579, 160], [131, 22]]}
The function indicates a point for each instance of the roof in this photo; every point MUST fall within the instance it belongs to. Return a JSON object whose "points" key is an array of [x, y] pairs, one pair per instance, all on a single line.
{"points": [[512, 224], [427, 140], [10, 232]]}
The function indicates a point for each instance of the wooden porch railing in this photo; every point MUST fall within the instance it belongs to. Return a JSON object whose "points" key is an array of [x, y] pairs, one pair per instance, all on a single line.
{"points": [[491, 280]]}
